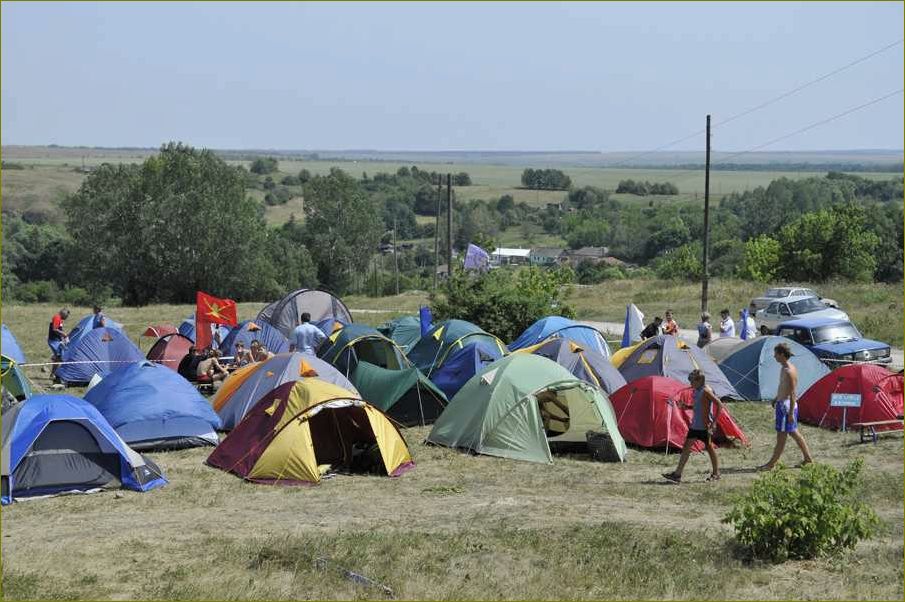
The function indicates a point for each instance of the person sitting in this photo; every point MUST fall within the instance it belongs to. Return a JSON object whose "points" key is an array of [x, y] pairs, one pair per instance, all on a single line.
{"points": [[188, 365], [242, 356], [652, 329], [209, 369]]}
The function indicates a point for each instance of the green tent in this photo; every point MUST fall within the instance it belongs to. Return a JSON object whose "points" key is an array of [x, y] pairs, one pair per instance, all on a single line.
{"points": [[359, 343], [406, 395], [446, 338], [519, 406], [404, 331], [14, 380]]}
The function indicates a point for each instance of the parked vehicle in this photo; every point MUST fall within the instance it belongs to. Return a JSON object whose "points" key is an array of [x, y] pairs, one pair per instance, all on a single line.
{"points": [[783, 293], [791, 307], [836, 342]]}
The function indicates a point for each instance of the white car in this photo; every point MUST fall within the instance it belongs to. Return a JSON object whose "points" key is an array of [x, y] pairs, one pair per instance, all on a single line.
{"points": [[784, 293], [790, 308]]}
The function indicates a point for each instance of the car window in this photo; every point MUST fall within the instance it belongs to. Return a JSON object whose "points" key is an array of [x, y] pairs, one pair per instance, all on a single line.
{"points": [[808, 292], [773, 308], [777, 293], [803, 336], [836, 333], [806, 306], [784, 310], [787, 332]]}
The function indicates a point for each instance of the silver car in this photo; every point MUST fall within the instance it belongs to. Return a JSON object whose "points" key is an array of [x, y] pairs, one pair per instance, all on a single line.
{"points": [[789, 308], [784, 293]]}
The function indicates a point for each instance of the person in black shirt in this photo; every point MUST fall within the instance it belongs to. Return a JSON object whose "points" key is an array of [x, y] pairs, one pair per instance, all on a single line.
{"points": [[652, 329]]}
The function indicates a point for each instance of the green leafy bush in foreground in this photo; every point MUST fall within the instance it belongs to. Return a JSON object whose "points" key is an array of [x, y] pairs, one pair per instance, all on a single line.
{"points": [[815, 512]]}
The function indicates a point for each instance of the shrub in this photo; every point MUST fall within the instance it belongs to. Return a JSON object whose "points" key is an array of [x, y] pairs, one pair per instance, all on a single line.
{"points": [[504, 302], [806, 515]]}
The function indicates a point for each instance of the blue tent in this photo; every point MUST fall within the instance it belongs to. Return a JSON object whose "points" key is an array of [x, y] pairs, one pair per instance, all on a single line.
{"points": [[462, 365], [249, 331], [86, 325], [59, 443], [330, 325], [187, 329], [153, 408], [586, 336], [9, 346], [754, 372], [99, 351]]}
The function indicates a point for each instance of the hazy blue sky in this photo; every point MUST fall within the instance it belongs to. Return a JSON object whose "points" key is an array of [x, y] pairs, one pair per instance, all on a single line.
{"points": [[446, 76]]}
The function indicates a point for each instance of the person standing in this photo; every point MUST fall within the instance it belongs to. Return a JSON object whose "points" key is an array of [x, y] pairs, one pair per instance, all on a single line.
{"points": [[307, 337], [703, 424], [57, 339], [99, 320], [727, 326], [670, 326], [746, 327], [705, 330], [786, 409]]}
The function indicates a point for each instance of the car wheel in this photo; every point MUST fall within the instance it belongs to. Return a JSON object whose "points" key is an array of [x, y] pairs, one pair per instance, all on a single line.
{"points": [[764, 330]]}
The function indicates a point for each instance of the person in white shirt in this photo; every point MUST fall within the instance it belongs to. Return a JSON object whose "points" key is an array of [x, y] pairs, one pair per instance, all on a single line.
{"points": [[307, 337], [727, 326], [746, 327]]}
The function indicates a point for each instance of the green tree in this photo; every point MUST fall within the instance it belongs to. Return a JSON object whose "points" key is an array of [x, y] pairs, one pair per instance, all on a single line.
{"points": [[264, 165], [761, 259], [343, 228]]}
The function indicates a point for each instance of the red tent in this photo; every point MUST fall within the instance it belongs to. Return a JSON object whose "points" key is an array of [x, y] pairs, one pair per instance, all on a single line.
{"points": [[159, 330], [880, 390], [655, 411], [170, 349]]}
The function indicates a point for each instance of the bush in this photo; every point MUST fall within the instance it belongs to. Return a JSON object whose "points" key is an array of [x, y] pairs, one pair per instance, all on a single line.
{"points": [[814, 513], [264, 165], [504, 302]]}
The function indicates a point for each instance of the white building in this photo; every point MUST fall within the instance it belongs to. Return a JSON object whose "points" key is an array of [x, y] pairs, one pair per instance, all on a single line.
{"points": [[506, 256]]}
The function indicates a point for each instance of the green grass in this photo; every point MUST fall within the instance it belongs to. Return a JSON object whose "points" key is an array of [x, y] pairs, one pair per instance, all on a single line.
{"points": [[456, 527]]}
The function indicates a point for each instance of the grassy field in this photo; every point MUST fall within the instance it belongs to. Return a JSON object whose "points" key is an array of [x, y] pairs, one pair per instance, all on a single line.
{"points": [[458, 526]]}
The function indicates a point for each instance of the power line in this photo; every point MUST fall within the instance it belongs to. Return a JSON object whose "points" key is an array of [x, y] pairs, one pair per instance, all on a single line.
{"points": [[764, 104]]}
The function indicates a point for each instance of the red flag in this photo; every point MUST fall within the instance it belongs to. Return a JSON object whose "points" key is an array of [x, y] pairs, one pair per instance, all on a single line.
{"points": [[211, 310]]}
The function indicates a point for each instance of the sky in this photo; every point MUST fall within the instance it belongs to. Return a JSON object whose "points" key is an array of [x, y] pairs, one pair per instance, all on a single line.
{"points": [[540, 76]]}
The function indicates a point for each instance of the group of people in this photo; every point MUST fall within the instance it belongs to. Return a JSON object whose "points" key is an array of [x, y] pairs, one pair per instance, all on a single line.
{"points": [[204, 366], [706, 414], [58, 339], [745, 327]]}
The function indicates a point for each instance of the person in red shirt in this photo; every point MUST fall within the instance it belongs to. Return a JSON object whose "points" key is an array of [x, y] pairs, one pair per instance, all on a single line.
{"points": [[57, 338], [669, 325]]}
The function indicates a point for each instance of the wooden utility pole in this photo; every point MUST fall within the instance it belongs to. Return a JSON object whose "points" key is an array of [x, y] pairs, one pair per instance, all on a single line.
{"points": [[706, 276], [437, 230], [449, 239], [395, 256]]}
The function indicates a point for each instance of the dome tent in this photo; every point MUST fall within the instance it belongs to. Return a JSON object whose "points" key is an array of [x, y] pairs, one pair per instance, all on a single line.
{"points": [[58, 443], [98, 351], [153, 408], [169, 350], [462, 365], [879, 389], [286, 314], [585, 364], [404, 331], [249, 331], [14, 380], [303, 428], [586, 336], [187, 329], [9, 346], [357, 342], [406, 395], [519, 406], [446, 337], [755, 373]]}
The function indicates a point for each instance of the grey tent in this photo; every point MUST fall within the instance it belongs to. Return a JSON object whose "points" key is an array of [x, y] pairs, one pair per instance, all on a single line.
{"points": [[286, 313], [586, 364]]}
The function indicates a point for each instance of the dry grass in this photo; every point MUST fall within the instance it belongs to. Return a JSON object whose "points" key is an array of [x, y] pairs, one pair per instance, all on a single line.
{"points": [[456, 527]]}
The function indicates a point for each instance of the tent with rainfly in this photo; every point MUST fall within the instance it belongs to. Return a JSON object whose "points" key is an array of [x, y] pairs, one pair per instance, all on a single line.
{"points": [[329, 325], [153, 408], [655, 412], [521, 405], [98, 351], [754, 372], [303, 429], [14, 380], [244, 387], [564, 328], [169, 350], [59, 443], [665, 355], [462, 365], [249, 331], [405, 395], [358, 342], [86, 325], [585, 364], [9, 346], [446, 337], [880, 394], [404, 331], [286, 313]]}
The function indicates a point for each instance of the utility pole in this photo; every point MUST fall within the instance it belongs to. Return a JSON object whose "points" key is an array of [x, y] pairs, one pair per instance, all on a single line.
{"points": [[705, 282], [395, 256], [437, 230], [449, 239]]}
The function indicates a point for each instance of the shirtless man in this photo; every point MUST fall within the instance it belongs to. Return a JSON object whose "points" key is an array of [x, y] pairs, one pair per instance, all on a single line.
{"points": [[210, 369], [786, 406]]}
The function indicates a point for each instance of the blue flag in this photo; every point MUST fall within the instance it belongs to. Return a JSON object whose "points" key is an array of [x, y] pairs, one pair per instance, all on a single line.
{"points": [[744, 325], [426, 319]]}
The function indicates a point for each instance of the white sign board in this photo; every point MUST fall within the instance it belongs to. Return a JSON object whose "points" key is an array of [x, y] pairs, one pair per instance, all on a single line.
{"points": [[845, 400]]}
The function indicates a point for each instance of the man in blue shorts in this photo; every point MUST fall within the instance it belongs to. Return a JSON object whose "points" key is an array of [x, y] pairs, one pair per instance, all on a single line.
{"points": [[786, 409]]}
